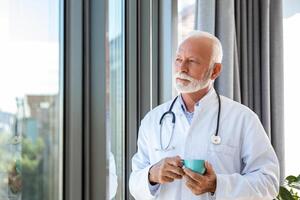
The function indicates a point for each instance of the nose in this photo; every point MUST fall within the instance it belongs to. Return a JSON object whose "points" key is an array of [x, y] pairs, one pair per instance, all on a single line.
{"points": [[181, 66]]}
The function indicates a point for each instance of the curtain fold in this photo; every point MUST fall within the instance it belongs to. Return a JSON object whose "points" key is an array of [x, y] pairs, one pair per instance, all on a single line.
{"points": [[251, 33]]}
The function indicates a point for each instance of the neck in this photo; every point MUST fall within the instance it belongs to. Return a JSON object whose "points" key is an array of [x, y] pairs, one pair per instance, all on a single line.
{"points": [[190, 99]]}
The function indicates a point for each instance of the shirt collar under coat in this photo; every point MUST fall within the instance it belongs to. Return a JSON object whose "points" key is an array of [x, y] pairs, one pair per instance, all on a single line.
{"points": [[209, 99]]}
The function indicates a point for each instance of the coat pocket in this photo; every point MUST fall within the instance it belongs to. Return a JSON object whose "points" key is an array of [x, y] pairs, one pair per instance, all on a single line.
{"points": [[224, 158]]}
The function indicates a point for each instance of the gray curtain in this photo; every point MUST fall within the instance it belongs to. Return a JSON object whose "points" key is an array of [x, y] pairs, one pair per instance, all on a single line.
{"points": [[251, 33]]}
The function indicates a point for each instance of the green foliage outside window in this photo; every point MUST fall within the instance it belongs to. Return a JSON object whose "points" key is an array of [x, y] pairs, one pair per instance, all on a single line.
{"points": [[24, 167]]}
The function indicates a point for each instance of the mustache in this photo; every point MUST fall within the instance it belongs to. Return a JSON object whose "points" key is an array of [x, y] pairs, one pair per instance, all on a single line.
{"points": [[183, 75]]}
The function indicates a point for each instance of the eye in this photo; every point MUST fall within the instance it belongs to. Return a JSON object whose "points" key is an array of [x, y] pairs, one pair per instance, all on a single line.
{"points": [[178, 59], [194, 61]]}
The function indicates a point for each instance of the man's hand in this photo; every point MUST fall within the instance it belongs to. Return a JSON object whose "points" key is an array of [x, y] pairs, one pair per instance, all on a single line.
{"points": [[200, 184], [166, 170]]}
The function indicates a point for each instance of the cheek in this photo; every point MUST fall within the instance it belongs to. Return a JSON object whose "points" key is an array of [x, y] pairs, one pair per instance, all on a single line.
{"points": [[176, 68], [196, 74]]}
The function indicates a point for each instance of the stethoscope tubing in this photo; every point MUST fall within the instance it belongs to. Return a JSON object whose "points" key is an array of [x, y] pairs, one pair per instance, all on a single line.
{"points": [[174, 121]]}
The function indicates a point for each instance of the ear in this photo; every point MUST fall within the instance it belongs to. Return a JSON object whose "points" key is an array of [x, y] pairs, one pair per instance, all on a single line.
{"points": [[216, 71]]}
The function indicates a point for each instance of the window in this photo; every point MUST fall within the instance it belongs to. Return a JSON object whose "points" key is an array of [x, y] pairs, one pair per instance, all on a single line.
{"points": [[186, 18], [31, 100], [291, 32], [116, 100]]}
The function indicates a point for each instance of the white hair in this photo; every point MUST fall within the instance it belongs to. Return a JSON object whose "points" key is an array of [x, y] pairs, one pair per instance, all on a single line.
{"points": [[217, 52]]}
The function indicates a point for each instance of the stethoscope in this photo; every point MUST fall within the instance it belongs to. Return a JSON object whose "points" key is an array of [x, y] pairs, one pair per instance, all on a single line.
{"points": [[215, 139]]}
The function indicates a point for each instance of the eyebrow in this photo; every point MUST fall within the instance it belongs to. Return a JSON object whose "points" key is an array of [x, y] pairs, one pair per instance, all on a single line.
{"points": [[199, 59], [190, 57]]}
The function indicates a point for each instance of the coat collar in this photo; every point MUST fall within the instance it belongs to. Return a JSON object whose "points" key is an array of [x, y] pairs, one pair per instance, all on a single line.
{"points": [[209, 99]]}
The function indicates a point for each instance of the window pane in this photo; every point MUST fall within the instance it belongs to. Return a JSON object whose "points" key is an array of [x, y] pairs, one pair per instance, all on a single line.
{"points": [[116, 100], [291, 32], [30, 101], [186, 18]]}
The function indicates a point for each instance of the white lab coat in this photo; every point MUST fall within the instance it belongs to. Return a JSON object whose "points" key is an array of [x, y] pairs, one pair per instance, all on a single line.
{"points": [[245, 162]]}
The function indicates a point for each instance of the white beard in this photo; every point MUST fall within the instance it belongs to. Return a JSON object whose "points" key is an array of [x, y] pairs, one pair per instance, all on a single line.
{"points": [[194, 85]]}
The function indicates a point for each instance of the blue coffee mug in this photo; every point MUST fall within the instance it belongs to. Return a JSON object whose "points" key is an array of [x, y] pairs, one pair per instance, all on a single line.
{"points": [[195, 165]]}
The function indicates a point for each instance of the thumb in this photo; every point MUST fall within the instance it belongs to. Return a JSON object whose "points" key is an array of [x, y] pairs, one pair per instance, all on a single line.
{"points": [[209, 168]]}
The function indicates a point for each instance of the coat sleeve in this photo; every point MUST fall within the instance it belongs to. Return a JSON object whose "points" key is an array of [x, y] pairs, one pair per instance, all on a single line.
{"points": [[259, 177], [139, 185]]}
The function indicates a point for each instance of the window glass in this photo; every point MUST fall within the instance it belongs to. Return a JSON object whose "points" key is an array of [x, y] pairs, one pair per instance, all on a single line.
{"points": [[116, 100], [30, 100], [291, 32], [186, 18]]}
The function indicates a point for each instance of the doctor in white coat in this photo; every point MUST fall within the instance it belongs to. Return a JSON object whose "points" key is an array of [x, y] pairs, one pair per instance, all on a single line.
{"points": [[240, 161]]}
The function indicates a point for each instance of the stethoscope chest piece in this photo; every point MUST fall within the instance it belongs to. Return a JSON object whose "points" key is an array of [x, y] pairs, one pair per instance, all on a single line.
{"points": [[215, 139]]}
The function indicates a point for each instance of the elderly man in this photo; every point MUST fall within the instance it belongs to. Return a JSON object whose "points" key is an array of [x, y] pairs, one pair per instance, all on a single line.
{"points": [[200, 124]]}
